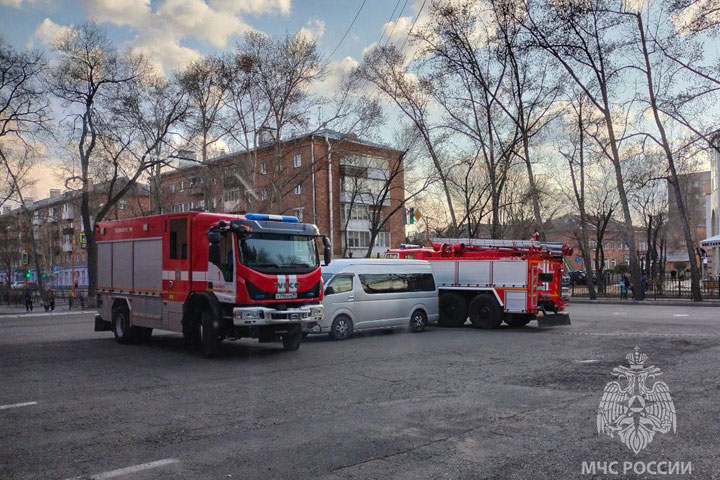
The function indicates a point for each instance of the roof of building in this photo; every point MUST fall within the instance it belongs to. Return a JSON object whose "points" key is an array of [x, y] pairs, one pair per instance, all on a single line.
{"points": [[68, 195], [322, 133]]}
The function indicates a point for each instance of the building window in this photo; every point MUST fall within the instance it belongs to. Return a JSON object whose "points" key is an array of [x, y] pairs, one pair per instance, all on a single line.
{"points": [[263, 194], [356, 239], [297, 161], [122, 205], [383, 240], [263, 168], [298, 189], [180, 186], [172, 188], [232, 195], [299, 213]]}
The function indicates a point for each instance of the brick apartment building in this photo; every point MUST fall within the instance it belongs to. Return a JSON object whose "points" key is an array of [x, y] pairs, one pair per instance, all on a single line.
{"points": [[57, 225], [325, 178], [696, 188]]}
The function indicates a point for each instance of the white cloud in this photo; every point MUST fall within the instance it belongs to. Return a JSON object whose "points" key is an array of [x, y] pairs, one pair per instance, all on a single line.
{"points": [[336, 73], [11, 3], [163, 26], [133, 13], [314, 29], [255, 7], [46, 33]]}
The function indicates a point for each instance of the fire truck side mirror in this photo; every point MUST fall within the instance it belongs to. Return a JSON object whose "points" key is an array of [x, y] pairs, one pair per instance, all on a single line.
{"points": [[214, 248], [327, 251]]}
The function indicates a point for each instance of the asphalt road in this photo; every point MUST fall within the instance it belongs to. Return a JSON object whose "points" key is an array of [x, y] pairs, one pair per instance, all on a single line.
{"points": [[446, 403]]}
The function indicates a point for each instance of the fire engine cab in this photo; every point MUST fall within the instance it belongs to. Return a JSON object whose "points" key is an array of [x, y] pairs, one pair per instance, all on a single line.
{"points": [[495, 281], [210, 276]]}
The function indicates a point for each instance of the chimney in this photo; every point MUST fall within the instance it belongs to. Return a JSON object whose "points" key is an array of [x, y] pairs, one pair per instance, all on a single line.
{"points": [[29, 202], [54, 193]]}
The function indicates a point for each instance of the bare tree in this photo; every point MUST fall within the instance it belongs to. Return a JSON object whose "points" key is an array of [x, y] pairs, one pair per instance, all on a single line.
{"points": [[97, 84], [576, 158], [582, 37], [386, 68]]}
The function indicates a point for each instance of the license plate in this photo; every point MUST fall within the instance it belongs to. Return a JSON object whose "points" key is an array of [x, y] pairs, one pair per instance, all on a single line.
{"points": [[283, 296]]}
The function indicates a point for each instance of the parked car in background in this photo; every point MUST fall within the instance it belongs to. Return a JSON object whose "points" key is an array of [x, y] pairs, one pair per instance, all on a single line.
{"points": [[369, 294]]}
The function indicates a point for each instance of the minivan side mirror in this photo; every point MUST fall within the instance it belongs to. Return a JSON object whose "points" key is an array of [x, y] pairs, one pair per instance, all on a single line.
{"points": [[327, 250], [329, 290], [214, 247]]}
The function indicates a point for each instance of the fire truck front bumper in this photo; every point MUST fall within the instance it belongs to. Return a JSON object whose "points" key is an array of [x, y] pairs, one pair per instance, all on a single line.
{"points": [[552, 319], [254, 316]]}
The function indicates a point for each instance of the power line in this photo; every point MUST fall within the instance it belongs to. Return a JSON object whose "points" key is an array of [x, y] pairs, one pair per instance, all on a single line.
{"points": [[413, 25], [382, 32], [396, 22], [347, 31]]}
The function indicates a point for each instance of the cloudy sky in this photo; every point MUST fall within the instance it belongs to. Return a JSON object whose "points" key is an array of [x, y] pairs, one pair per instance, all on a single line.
{"points": [[173, 31]]}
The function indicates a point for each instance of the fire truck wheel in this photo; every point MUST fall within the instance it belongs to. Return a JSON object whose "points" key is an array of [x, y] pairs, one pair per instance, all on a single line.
{"points": [[453, 310], [124, 333], [208, 334], [418, 321], [484, 312], [515, 320], [291, 341], [341, 328]]}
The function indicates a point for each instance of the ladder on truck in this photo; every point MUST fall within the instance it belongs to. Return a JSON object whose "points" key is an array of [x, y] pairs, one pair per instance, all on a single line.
{"points": [[489, 243]]}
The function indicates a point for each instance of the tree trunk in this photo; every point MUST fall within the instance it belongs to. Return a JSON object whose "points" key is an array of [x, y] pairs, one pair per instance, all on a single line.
{"points": [[689, 244]]}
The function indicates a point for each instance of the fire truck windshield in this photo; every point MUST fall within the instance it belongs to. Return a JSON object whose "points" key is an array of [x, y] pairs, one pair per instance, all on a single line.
{"points": [[270, 252]]}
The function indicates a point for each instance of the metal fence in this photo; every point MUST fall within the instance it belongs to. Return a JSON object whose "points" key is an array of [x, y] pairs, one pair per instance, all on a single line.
{"points": [[661, 286]]}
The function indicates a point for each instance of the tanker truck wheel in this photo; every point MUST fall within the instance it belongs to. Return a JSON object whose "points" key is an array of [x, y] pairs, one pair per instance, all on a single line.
{"points": [[291, 340], [453, 310], [124, 333], [485, 312]]}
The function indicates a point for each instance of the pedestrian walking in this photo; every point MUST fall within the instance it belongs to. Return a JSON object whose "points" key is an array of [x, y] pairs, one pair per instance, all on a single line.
{"points": [[49, 299], [28, 300], [71, 298], [623, 289], [643, 284]]}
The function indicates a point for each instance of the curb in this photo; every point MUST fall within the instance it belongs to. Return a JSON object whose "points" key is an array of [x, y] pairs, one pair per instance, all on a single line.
{"points": [[662, 303], [46, 314]]}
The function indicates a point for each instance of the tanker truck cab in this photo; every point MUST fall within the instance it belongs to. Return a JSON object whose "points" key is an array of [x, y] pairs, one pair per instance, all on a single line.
{"points": [[211, 277]]}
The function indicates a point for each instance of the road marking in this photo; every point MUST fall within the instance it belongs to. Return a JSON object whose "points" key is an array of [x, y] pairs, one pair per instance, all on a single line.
{"points": [[681, 315], [633, 334], [590, 360], [619, 313], [127, 470], [16, 405]]}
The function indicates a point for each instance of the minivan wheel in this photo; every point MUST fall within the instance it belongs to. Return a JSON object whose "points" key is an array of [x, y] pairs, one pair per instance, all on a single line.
{"points": [[342, 328], [418, 321]]}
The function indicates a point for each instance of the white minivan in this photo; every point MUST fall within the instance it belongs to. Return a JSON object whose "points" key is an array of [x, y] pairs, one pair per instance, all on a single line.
{"points": [[368, 294]]}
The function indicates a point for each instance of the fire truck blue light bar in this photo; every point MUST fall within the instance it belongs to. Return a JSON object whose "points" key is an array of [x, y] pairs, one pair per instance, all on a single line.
{"points": [[273, 218]]}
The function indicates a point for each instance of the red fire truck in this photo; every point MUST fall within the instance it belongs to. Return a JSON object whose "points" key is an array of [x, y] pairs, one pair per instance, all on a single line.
{"points": [[210, 276], [492, 281]]}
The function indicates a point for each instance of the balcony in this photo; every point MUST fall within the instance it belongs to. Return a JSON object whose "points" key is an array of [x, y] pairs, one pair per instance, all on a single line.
{"points": [[353, 171], [37, 221], [52, 219], [196, 191], [68, 212]]}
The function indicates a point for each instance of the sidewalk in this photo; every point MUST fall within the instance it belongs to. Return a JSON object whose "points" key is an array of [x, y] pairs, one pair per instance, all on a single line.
{"points": [[670, 302], [19, 310]]}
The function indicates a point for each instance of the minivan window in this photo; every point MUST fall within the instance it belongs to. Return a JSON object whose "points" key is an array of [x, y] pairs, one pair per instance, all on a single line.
{"points": [[341, 284], [397, 282]]}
